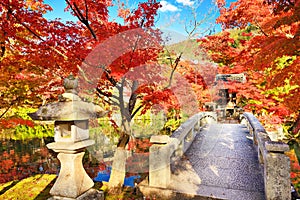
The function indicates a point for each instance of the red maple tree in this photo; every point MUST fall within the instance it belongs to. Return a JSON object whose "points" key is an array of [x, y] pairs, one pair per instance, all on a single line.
{"points": [[37, 53], [266, 49]]}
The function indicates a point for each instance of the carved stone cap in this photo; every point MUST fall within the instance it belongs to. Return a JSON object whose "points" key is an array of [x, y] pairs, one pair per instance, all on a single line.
{"points": [[68, 110], [272, 146], [69, 107], [159, 139], [71, 84]]}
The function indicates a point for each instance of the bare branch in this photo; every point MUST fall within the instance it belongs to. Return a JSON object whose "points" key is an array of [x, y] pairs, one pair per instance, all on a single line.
{"points": [[174, 69]]}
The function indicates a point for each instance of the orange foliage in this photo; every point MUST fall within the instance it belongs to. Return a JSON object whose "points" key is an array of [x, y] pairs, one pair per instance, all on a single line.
{"points": [[295, 168], [274, 33]]}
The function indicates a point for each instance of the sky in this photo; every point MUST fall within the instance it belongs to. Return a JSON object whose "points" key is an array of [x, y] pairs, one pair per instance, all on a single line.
{"points": [[177, 16], [173, 17]]}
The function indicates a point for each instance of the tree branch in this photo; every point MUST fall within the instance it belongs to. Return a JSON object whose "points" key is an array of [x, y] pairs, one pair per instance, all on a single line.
{"points": [[81, 18], [39, 37], [31, 31], [109, 101], [2, 45], [173, 70], [133, 97], [86, 11], [136, 111], [260, 28], [10, 105], [110, 78]]}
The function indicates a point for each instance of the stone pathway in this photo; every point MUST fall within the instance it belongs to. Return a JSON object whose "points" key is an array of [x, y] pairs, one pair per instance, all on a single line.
{"points": [[221, 163]]}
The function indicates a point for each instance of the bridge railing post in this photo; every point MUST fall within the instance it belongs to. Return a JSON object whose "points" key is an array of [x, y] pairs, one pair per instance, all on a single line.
{"points": [[165, 149], [277, 172], [276, 164], [160, 159]]}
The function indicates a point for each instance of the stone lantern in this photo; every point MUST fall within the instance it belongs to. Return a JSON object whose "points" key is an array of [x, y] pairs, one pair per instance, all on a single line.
{"points": [[71, 135]]}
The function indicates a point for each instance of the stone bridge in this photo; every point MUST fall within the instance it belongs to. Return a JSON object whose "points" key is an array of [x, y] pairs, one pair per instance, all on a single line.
{"points": [[218, 161]]}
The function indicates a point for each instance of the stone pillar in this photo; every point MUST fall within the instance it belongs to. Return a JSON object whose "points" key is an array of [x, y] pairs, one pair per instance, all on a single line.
{"points": [[277, 172], [159, 162], [73, 179], [72, 182]]}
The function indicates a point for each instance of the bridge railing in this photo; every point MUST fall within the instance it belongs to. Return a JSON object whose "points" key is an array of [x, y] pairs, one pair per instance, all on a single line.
{"points": [[165, 149], [271, 154]]}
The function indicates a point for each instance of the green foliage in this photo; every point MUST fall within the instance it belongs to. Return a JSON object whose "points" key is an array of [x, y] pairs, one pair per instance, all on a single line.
{"points": [[23, 132], [104, 135], [105, 127], [22, 112], [280, 64], [240, 35], [148, 124], [189, 49], [278, 92], [171, 125], [255, 102], [284, 61], [166, 57], [295, 145], [252, 28]]}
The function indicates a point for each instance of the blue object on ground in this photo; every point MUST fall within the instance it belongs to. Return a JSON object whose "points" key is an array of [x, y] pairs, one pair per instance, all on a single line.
{"points": [[105, 175], [102, 177], [129, 181]]}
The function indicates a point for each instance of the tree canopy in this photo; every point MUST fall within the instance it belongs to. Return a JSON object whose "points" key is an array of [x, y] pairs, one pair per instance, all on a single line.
{"points": [[38, 53], [261, 39]]}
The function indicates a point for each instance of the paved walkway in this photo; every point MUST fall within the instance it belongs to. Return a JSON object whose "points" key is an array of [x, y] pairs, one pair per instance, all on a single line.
{"points": [[221, 163]]}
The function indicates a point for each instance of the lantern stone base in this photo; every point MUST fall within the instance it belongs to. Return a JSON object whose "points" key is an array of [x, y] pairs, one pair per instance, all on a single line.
{"points": [[91, 194], [72, 180]]}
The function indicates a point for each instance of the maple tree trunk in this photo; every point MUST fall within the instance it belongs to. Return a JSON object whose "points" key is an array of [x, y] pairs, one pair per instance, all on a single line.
{"points": [[118, 171], [127, 113], [119, 163], [124, 139]]}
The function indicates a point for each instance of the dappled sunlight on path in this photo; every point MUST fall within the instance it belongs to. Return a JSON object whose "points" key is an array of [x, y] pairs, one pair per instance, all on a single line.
{"points": [[188, 185], [221, 163]]}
